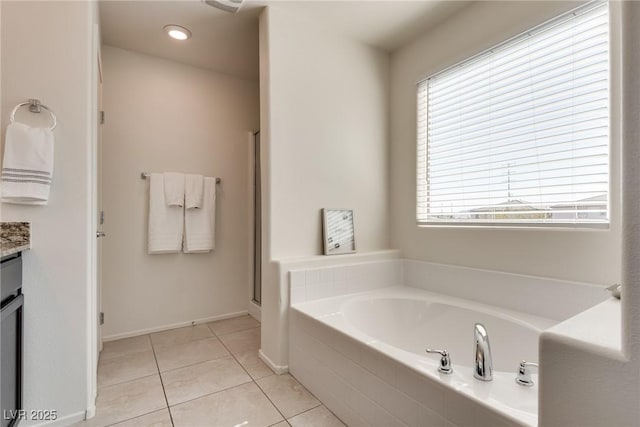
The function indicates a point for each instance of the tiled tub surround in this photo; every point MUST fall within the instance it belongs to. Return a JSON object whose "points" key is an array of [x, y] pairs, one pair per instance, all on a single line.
{"points": [[274, 349], [312, 284], [367, 381], [14, 237], [540, 296]]}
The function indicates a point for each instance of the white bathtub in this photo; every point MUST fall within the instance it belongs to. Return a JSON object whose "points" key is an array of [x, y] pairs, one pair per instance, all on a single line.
{"points": [[363, 355]]}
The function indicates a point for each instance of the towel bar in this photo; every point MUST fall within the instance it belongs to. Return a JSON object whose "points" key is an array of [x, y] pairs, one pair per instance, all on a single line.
{"points": [[145, 175], [35, 107]]}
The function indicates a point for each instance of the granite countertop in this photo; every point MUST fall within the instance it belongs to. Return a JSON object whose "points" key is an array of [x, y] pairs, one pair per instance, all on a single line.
{"points": [[14, 237]]}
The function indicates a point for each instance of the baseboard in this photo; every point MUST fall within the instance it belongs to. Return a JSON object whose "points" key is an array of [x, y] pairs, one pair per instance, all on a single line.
{"points": [[65, 421], [90, 413], [278, 369], [255, 311], [172, 326]]}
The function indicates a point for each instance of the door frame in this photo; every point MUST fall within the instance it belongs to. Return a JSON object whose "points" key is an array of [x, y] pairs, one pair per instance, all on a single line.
{"points": [[94, 336]]}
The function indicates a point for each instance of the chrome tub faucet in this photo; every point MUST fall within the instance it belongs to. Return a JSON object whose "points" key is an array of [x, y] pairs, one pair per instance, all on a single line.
{"points": [[445, 361], [523, 377], [483, 368]]}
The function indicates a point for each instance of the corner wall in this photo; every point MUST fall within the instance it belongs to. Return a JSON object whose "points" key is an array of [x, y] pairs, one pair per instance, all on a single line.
{"points": [[164, 116], [592, 256], [592, 374], [47, 54], [324, 128]]}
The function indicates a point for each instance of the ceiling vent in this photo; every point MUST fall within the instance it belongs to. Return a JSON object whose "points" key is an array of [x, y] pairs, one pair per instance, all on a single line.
{"points": [[231, 6]]}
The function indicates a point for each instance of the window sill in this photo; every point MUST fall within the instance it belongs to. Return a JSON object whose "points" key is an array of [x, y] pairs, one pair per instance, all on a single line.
{"points": [[511, 226]]}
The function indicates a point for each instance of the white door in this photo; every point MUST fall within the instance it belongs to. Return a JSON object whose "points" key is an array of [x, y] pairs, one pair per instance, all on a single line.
{"points": [[95, 290], [101, 216]]}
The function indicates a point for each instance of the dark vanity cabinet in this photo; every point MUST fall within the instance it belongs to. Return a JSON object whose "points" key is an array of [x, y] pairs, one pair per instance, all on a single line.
{"points": [[11, 336]]}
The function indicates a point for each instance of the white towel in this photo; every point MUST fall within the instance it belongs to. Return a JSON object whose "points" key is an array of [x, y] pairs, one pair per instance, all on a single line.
{"points": [[27, 166], [166, 223], [199, 224], [193, 191], [174, 188]]}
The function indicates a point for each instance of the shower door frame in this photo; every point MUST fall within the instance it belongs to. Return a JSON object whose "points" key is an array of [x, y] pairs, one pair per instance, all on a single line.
{"points": [[256, 296]]}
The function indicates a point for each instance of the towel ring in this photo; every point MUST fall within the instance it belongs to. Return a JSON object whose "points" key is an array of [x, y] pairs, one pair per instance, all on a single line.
{"points": [[34, 107]]}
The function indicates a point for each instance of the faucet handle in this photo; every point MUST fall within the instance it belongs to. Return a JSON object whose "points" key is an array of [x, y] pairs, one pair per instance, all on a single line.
{"points": [[523, 376], [445, 361]]}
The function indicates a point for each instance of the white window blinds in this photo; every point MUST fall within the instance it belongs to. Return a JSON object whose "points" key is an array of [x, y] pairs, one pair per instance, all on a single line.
{"points": [[520, 133]]}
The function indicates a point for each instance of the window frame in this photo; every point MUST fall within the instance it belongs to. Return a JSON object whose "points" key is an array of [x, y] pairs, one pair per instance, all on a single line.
{"points": [[614, 116]]}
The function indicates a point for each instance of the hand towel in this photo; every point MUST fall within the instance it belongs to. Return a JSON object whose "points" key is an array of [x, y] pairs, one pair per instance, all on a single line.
{"points": [[193, 191], [174, 189], [199, 224], [27, 166], [166, 223]]}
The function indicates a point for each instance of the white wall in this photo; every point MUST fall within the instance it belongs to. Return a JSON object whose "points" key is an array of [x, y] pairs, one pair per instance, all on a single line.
{"points": [[592, 374], [327, 136], [590, 256], [324, 128], [165, 116], [47, 53]]}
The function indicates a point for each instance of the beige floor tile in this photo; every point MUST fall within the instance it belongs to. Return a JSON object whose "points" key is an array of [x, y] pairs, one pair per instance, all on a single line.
{"points": [[240, 342], [281, 424], [155, 419], [316, 417], [128, 400], [254, 366], [234, 324], [195, 381], [289, 396], [126, 368], [178, 356], [181, 335], [241, 405], [111, 349]]}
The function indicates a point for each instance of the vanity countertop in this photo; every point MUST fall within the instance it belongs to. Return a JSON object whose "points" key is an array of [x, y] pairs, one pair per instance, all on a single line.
{"points": [[14, 237]]}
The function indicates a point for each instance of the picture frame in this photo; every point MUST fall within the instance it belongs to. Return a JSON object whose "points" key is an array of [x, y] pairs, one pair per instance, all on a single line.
{"points": [[338, 233]]}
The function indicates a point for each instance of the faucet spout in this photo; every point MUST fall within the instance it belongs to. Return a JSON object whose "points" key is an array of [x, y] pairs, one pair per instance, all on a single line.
{"points": [[483, 369]]}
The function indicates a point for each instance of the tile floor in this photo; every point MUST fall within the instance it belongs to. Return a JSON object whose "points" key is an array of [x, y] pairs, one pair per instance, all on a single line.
{"points": [[202, 375]]}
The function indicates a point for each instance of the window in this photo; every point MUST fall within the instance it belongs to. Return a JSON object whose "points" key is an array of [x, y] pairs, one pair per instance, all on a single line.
{"points": [[519, 134]]}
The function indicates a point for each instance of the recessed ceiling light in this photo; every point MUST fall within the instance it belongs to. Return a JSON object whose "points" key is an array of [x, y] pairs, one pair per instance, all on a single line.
{"points": [[177, 32]]}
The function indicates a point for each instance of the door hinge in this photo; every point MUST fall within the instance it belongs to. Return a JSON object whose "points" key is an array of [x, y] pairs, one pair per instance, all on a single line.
{"points": [[101, 318], [101, 117]]}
